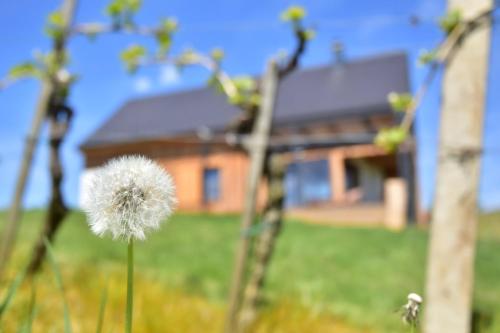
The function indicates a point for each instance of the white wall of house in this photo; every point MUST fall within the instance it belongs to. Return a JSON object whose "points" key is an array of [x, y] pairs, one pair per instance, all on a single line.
{"points": [[85, 180]]}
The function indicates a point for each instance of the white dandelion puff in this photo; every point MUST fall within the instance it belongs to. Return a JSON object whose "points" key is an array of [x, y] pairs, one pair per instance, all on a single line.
{"points": [[410, 310], [128, 197]]}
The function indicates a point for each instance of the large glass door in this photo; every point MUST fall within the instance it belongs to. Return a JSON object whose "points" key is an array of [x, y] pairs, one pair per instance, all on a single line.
{"points": [[307, 182]]}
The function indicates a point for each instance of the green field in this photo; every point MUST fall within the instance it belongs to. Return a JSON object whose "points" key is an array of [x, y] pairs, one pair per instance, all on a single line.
{"points": [[359, 276]]}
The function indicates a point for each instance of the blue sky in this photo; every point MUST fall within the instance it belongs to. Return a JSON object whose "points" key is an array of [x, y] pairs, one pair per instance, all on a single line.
{"points": [[249, 32]]}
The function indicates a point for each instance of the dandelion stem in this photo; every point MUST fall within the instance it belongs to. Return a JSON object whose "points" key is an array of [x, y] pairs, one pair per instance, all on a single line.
{"points": [[130, 286]]}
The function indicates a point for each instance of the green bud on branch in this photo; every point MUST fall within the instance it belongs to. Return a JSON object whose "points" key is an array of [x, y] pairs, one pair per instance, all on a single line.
{"points": [[390, 139], [122, 11], [23, 70], [132, 57], [426, 57], [214, 82], [169, 24], [236, 99], [50, 63], [55, 25], [400, 102], [255, 99], [450, 21], [309, 34], [244, 83], [246, 92], [293, 14], [164, 35], [186, 58], [118, 7], [217, 54]]}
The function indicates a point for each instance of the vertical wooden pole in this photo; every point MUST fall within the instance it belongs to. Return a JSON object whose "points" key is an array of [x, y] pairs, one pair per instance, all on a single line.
{"points": [[258, 148], [453, 232], [10, 231], [271, 226], [12, 224]]}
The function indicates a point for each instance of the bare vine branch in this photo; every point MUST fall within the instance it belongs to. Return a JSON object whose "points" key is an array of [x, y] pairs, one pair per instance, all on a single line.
{"points": [[443, 55], [293, 62], [96, 28], [458, 29], [201, 60]]}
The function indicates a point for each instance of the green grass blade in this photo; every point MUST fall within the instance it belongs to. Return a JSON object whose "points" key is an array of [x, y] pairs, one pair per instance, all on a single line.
{"points": [[27, 327], [102, 307], [60, 285], [11, 292]]}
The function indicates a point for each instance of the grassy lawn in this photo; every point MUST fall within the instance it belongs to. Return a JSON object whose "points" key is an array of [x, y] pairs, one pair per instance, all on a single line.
{"points": [[319, 275]]}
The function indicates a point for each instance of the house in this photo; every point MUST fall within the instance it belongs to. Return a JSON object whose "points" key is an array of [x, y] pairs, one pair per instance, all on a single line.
{"points": [[324, 123]]}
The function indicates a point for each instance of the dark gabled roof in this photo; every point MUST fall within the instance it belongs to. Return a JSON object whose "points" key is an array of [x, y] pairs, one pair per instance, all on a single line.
{"points": [[353, 88]]}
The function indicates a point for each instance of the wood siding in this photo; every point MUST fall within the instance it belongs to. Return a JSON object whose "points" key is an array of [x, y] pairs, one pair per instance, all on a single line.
{"points": [[186, 164]]}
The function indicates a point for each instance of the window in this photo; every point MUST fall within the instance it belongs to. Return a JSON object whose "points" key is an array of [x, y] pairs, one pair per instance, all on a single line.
{"points": [[307, 182], [351, 175], [211, 185]]}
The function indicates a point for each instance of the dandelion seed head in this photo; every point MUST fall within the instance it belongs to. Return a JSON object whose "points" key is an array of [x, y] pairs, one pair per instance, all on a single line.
{"points": [[411, 310], [129, 197], [415, 298]]}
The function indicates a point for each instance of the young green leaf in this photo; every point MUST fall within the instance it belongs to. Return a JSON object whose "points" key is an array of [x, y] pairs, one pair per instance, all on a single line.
{"points": [[115, 8], [187, 57], [217, 54], [255, 99], [450, 21], [389, 139], [164, 40], [169, 24], [122, 11], [56, 19], [55, 25], [132, 56], [293, 14], [309, 34], [25, 69], [244, 83], [426, 57], [164, 35], [236, 99], [214, 82], [133, 5], [52, 62], [400, 102], [245, 91]]}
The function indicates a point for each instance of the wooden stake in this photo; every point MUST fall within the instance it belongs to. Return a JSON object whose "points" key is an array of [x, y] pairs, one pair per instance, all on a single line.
{"points": [[453, 232], [260, 138], [264, 248], [13, 220]]}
